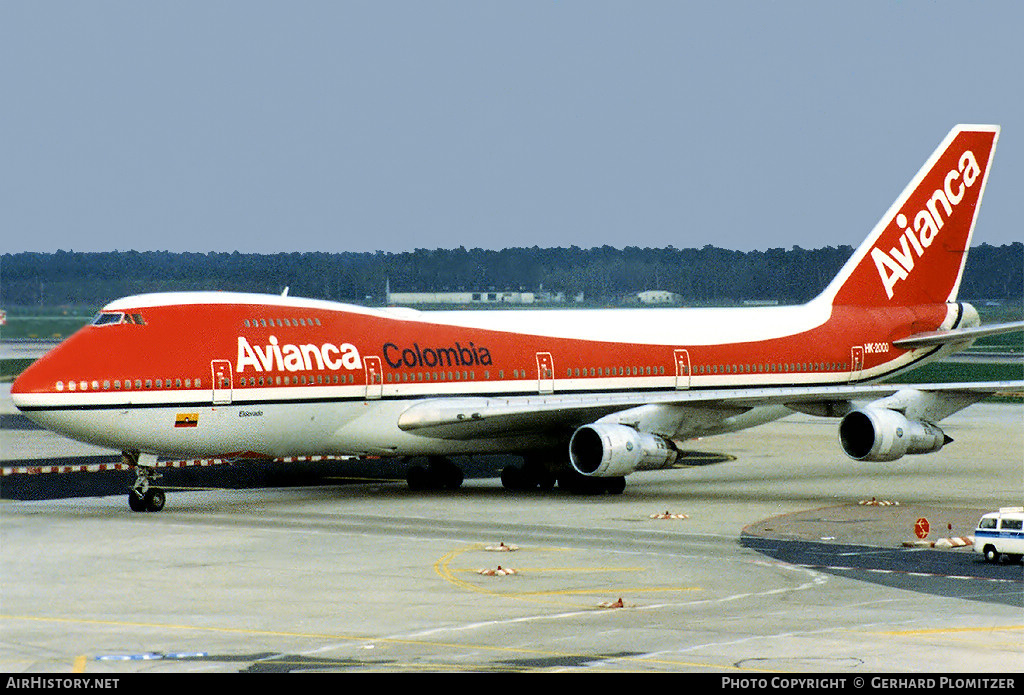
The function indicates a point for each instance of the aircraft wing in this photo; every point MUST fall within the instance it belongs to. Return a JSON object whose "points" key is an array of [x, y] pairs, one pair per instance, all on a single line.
{"points": [[471, 418], [956, 335]]}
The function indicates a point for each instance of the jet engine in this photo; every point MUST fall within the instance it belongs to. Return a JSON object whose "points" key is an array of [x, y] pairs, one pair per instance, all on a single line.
{"points": [[880, 434], [608, 450]]}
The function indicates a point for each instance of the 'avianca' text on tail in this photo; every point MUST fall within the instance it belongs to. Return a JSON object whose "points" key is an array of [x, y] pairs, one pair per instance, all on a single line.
{"points": [[586, 396]]}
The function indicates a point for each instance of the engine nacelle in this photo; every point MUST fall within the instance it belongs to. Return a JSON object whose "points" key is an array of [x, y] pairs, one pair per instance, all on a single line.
{"points": [[610, 450], [879, 434]]}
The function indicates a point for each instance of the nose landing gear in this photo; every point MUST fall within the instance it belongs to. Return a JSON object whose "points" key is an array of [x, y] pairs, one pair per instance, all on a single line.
{"points": [[144, 497]]}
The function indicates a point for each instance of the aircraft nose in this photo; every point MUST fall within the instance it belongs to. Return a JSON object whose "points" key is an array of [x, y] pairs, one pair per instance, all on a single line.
{"points": [[26, 387], [40, 382]]}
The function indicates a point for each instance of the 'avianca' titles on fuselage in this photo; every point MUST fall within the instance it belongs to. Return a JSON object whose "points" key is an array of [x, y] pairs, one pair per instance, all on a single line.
{"points": [[296, 358]]}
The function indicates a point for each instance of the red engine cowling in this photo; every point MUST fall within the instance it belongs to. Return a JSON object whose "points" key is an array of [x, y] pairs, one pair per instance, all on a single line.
{"points": [[880, 434], [610, 450]]}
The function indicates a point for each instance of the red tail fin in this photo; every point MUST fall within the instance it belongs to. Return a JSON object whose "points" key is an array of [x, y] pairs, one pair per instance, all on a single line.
{"points": [[916, 253]]}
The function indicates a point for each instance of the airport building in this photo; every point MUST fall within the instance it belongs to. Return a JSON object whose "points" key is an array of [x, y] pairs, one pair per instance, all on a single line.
{"points": [[461, 298], [659, 297]]}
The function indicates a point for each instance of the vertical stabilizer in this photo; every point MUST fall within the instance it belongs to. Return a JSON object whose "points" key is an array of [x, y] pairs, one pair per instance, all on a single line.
{"points": [[917, 251]]}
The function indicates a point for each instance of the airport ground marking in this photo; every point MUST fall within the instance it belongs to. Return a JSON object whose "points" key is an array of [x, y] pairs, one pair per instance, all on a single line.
{"points": [[952, 630], [605, 592], [563, 569], [82, 659], [443, 567]]}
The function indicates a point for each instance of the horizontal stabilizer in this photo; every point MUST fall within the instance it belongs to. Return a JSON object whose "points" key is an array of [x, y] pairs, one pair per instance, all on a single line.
{"points": [[957, 335]]}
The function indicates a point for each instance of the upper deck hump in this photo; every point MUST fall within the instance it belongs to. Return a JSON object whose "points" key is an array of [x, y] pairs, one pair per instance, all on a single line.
{"points": [[652, 326]]}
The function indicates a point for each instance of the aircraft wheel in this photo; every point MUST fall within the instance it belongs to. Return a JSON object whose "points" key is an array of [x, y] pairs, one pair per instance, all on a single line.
{"points": [[513, 478], [615, 486], [578, 484], [546, 482], [445, 474], [136, 503], [453, 478], [508, 477], [418, 478], [155, 500], [440, 474]]}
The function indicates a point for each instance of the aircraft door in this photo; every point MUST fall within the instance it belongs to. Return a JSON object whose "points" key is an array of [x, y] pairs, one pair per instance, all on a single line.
{"points": [[545, 372], [856, 361], [682, 369], [222, 380], [374, 377]]}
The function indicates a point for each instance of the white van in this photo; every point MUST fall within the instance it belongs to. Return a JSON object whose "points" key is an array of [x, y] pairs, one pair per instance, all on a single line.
{"points": [[1001, 533]]}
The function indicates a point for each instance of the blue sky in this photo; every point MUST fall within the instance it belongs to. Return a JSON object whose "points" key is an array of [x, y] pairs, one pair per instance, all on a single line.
{"points": [[223, 125]]}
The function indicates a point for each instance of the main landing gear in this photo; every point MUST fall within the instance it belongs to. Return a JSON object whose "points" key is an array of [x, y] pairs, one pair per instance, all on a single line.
{"points": [[144, 497], [439, 474], [536, 474]]}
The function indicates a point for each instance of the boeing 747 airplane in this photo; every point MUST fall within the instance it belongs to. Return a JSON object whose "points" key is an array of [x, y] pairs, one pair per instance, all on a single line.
{"points": [[582, 395]]}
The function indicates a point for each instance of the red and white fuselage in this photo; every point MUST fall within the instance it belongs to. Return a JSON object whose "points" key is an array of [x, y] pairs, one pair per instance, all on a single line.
{"points": [[226, 374]]}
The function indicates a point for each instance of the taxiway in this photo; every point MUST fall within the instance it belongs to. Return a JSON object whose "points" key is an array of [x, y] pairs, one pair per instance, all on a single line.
{"points": [[767, 562]]}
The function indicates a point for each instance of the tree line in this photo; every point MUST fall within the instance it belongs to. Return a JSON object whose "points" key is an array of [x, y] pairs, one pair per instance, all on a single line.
{"points": [[605, 274]]}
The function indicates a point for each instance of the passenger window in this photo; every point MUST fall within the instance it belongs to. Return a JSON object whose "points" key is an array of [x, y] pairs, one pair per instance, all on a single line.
{"points": [[1015, 524]]}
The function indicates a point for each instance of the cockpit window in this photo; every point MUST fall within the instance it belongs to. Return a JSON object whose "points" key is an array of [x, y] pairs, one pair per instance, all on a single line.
{"points": [[110, 318], [107, 319]]}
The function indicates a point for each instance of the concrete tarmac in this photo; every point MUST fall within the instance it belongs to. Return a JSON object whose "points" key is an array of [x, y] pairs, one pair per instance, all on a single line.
{"points": [[375, 577]]}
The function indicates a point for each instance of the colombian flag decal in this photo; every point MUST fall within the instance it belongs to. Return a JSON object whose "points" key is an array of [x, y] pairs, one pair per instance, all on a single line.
{"points": [[186, 420]]}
